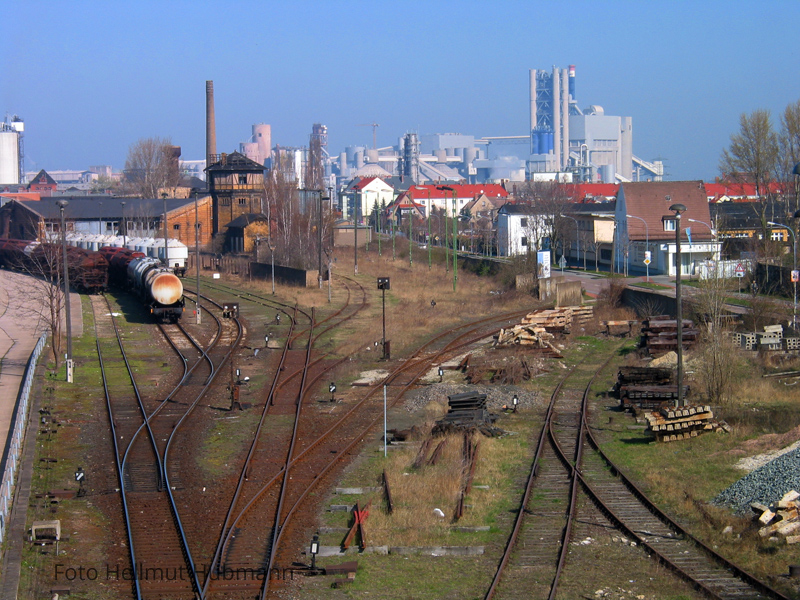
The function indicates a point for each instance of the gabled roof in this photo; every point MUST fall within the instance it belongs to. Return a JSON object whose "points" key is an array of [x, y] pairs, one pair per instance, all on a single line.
{"points": [[243, 221], [42, 178], [86, 208], [493, 203], [651, 201], [235, 161]]}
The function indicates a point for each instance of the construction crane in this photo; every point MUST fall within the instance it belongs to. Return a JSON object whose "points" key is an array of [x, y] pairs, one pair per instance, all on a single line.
{"points": [[374, 132]]}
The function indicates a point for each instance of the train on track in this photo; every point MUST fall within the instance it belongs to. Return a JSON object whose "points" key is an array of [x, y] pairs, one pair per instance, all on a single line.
{"points": [[88, 271], [158, 286], [91, 272]]}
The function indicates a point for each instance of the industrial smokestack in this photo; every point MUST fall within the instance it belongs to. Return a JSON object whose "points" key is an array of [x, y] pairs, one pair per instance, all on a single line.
{"points": [[211, 126], [572, 83]]}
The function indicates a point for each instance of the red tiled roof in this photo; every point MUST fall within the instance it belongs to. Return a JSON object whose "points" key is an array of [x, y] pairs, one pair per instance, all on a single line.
{"points": [[715, 191], [420, 192], [581, 191], [648, 200]]}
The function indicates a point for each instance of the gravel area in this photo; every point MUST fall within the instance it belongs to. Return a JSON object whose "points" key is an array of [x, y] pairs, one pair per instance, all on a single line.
{"points": [[497, 396], [766, 484]]}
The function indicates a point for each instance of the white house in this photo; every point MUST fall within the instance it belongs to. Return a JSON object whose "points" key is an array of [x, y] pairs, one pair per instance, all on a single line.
{"points": [[368, 194], [519, 229]]}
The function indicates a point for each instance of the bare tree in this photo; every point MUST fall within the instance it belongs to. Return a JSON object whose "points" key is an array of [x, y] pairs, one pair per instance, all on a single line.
{"points": [[150, 166], [752, 157], [789, 144]]}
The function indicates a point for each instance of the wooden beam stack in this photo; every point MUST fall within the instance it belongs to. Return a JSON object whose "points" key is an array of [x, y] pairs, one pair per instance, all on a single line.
{"points": [[780, 518], [649, 388], [660, 335], [539, 328], [671, 424]]}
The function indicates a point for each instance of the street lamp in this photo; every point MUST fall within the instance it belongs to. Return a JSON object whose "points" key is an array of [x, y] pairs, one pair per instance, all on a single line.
{"points": [[124, 226], [794, 264], [62, 204], [678, 209], [647, 244], [577, 240]]}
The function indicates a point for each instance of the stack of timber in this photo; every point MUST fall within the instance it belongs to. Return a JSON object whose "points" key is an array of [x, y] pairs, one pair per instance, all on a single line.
{"points": [[618, 328], [467, 411], [780, 518], [559, 320], [670, 424], [660, 335], [649, 388], [539, 328]]}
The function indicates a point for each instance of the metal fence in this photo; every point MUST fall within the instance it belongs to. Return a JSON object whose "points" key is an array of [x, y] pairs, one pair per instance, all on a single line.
{"points": [[16, 437]]}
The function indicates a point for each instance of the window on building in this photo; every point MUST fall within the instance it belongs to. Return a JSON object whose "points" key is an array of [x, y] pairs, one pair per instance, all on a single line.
{"points": [[669, 224], [177, 227], [225, 201], [242, 201], [605, 254], [523, 222], [523, 241], [242, 179], [776, 236]]}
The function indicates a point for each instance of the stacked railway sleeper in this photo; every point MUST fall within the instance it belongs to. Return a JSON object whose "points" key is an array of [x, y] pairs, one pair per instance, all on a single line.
{"points": [[648, 388], [660, 335]]}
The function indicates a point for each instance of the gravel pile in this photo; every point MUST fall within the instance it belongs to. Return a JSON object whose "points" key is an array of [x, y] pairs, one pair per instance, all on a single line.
{"points": [[766, 484], [497, 396]]}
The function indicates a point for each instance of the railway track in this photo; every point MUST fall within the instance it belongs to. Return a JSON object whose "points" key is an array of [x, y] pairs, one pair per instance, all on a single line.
{"points": [[150, 477], [569, 457]]}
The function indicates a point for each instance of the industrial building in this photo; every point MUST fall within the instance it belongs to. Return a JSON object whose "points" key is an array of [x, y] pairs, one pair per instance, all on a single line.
{"points": [[12, 154]]}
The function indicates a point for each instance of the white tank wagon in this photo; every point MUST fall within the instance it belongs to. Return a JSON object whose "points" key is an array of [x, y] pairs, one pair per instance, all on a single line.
{"points": [[158, 286]]}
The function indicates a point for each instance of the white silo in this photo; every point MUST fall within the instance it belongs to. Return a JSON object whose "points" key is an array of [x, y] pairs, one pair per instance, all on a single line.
{"points": [[9, 155]]}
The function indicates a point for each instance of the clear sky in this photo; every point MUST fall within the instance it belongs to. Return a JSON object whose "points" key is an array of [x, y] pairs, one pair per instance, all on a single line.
{"points": [[90, 78]]}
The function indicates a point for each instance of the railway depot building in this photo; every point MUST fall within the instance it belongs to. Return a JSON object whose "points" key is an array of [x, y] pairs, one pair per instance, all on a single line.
{"points": [[111, 216]]}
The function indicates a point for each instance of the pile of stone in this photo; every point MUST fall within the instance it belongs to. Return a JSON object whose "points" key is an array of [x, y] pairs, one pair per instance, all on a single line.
{"points": [[781, 518]]}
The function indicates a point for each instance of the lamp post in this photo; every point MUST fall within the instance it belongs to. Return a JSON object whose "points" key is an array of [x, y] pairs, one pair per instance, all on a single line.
{"points": [[577, 240], [124, 226], [678, 209], [197, 256], [166, 233], [794, 264], [716, 241], [62, 204], [647, 244]]}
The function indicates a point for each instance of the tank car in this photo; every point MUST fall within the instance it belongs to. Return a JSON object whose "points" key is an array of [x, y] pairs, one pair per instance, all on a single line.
{"points": [[158, 287]]}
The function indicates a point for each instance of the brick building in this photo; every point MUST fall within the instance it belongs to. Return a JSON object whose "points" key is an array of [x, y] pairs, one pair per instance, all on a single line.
{"points": [[236, 184]]}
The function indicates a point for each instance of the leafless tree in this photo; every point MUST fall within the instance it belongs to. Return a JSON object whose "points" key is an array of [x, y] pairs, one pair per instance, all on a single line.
{"points": [[150, 167], [752, 157], [44, 292], [789, 145]]}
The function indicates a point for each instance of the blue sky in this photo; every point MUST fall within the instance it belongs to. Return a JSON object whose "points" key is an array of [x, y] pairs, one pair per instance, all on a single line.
{"points": [[90, 78]]}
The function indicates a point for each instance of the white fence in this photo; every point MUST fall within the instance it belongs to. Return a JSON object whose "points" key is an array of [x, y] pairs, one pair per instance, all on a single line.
{"points": [[16, 438], [725, 269]]}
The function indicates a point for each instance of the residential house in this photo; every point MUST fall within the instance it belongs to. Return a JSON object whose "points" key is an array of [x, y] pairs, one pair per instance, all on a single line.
{"points": [[451, 198], [645, 224], [520, 230], [589, 242]]}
